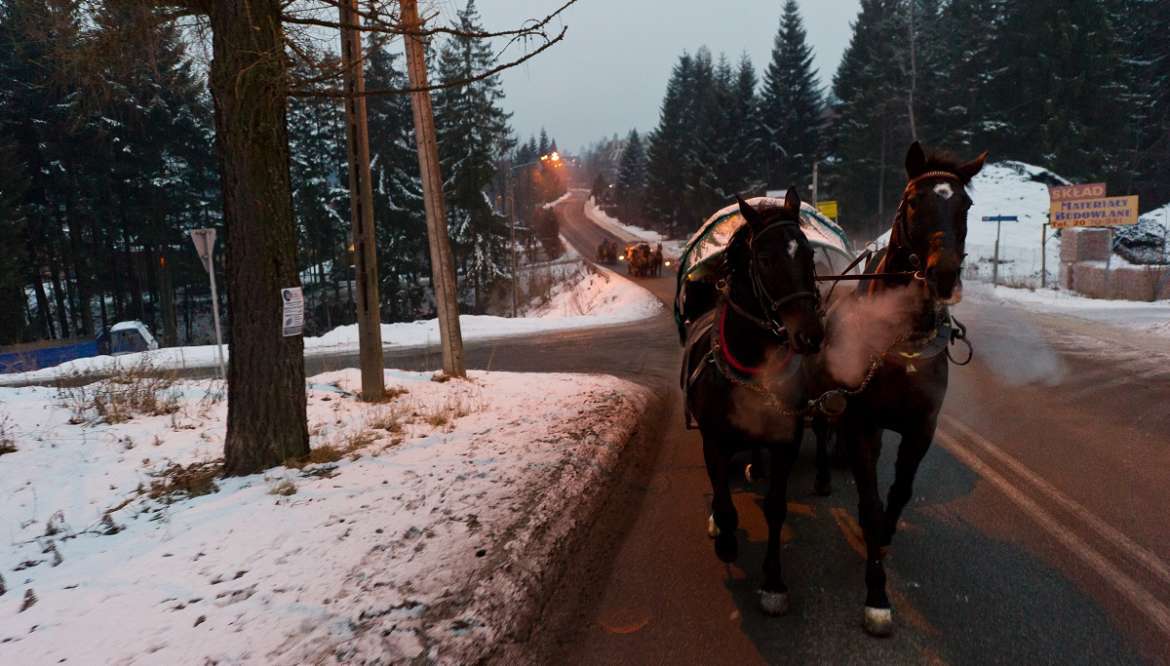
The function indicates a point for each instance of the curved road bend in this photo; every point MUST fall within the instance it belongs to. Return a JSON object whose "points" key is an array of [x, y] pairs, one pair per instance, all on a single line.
{"points": [[1037, 534]]}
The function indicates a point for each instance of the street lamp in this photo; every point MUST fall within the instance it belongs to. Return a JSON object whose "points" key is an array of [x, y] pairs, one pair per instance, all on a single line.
{"points": [[553, 158]]}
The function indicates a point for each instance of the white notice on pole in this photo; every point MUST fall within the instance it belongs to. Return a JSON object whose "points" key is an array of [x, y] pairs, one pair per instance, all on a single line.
{"points": [[294, 311]]}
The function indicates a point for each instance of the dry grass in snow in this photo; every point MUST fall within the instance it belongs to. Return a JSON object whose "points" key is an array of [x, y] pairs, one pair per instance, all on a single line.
{"points": [[393, 540]]}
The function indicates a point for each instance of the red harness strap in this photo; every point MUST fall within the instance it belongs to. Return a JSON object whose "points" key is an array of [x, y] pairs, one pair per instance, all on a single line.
{"points": [[734, 362]]}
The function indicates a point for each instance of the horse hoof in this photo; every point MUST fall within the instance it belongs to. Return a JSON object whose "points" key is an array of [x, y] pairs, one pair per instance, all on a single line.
{"points": [[712, 528], [726, 548], [879, 621], [773, 603], [823, 488]]}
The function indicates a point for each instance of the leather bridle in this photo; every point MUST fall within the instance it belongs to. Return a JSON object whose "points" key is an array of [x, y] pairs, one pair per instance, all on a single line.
{"points": [[770, 305]]}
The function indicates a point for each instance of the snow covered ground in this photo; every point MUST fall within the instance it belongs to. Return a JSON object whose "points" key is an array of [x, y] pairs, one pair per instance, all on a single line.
{"points": [[671, 249], [558, 201], [1011, 188], [1146, 317], [593, 300], [424, 534]]}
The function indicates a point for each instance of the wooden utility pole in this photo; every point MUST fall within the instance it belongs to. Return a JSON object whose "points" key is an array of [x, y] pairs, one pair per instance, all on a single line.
{"points": [[361, 199], [512, 225], [442, 262]]}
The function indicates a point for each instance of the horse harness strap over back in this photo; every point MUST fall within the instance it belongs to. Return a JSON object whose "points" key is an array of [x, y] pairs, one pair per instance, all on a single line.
{"points": [[723, 359]]}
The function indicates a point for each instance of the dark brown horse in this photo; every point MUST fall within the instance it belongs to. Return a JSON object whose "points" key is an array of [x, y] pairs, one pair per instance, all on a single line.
{"points": [[907, 380], [742, 371]]}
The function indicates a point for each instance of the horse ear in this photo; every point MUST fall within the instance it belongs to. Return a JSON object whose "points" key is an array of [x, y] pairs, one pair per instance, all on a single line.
{"points": [[915, 161], [750, 215], [792, 200], [970, 169]]}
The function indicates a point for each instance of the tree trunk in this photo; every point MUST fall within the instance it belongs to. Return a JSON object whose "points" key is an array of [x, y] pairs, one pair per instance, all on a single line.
{"points": [[266, 371], [44, 316], [58, 293], [166, 296]]}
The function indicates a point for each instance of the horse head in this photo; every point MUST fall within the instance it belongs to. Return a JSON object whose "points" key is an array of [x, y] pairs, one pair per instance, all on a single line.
{"points": [[780, 270], [932, 220]]}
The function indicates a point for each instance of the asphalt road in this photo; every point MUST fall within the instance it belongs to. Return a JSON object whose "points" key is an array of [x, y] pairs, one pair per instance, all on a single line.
{"points": [[1038, 532]]}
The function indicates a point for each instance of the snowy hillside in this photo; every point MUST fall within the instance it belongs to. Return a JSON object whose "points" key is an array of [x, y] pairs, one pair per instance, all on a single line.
{"points": [[1009, 188]]}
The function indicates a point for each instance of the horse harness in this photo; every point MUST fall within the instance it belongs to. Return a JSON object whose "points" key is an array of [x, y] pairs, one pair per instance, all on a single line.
{"points": [[720, 355], [909, 351]]}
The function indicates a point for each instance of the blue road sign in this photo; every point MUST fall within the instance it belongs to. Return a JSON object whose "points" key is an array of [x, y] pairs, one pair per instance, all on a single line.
{"points": [[1000, 218]]}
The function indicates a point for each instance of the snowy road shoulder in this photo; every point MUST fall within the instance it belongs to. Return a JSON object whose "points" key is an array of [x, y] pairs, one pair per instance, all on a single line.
{"points": [[590, 298], [1151, 318], [427, 527]]}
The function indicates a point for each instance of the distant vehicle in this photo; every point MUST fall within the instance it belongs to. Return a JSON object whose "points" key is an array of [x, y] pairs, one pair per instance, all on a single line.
{"points": [[639, 260], [124, 337]]}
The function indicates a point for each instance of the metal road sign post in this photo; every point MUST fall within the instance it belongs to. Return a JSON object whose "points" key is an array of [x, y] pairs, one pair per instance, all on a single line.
{"points": [[999, 220], [204, 240]]}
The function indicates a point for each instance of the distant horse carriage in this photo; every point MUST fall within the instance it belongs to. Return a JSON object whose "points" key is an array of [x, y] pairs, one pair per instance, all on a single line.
{"points": [[607, 252], [640, 260], [752, 320]]}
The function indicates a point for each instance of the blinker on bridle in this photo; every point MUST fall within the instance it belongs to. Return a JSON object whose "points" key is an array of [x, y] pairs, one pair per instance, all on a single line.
{"points": [[770, 306]]}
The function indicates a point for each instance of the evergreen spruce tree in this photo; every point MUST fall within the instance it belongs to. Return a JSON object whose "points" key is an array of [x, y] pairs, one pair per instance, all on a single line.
{"points": [[399, 215], [791, 105], [473, 131], [969, 113], [630, 189], [706, 145], [1060, 61], [666, 165], [1144, 140], [872, 127], [745, 167], [13, 277], [318, 171]]}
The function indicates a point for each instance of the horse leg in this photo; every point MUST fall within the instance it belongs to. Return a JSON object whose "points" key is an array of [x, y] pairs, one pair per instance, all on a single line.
{"points": [[864, 450], [755, 470], [911, 451], [724, 520], [774, 593], [823, 484]]}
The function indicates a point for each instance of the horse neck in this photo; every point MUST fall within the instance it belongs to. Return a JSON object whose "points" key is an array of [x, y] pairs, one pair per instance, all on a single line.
{"points": [[897, 260]]}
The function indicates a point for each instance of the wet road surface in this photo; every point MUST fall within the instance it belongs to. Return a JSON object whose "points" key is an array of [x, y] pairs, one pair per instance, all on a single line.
{"points": [[1038, 532]]}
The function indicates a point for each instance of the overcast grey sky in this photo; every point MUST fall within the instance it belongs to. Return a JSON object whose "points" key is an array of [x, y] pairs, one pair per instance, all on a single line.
{"points": [[610, 73]]}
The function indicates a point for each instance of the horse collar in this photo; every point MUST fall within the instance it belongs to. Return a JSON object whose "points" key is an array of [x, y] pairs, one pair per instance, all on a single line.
{"points": [[728, 357]]}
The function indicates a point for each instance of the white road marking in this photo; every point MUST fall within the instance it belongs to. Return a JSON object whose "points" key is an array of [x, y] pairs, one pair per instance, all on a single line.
{"points": [[1140, 553], [1141, 599]]}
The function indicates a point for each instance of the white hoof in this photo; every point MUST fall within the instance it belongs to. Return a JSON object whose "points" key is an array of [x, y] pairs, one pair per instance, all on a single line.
{"points": [[747, 473], [773, 603], [712, 528], [879, 621]]}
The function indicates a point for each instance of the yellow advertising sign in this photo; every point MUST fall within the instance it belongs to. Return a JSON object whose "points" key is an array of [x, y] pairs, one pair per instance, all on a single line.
{"points": [[1071, 192], [1106, 212], [828, 209]]}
